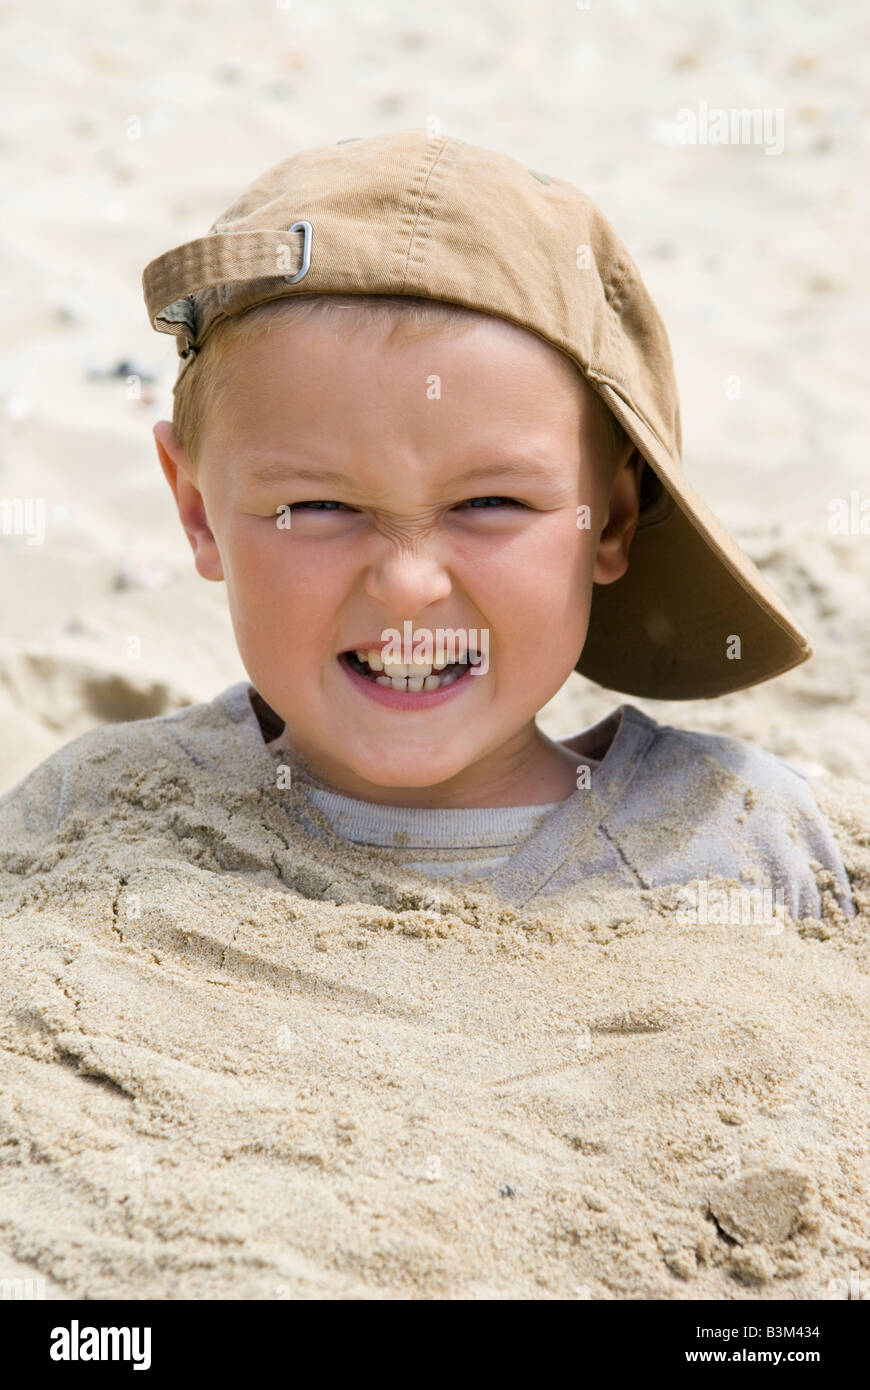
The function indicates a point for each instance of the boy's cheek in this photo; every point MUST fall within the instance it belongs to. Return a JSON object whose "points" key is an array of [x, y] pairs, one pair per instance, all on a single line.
{"points": [[279, 616], [266, 570]]}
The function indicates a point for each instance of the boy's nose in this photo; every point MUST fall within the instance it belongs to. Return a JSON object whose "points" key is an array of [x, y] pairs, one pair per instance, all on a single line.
{"points": [[407, 579]]}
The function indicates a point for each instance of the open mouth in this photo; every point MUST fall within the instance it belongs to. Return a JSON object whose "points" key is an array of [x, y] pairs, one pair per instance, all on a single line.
{"points": [[416, 677]]}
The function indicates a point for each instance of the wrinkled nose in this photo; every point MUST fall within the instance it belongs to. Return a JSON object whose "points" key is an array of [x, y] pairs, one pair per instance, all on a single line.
{"points": [[406, 579]]}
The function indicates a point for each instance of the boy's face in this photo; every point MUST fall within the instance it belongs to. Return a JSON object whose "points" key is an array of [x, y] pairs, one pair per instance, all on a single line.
{"points": [[381, 447]]}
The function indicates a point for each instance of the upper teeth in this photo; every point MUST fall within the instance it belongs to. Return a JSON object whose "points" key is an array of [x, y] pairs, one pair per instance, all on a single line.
{"points": [[415, 668]]}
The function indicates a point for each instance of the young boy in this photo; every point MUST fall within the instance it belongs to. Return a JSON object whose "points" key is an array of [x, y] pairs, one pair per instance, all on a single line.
{"points": [[426, 430]]}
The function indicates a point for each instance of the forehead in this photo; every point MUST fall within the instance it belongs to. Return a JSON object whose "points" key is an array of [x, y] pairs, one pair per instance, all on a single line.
{"points": [[337, 372]]}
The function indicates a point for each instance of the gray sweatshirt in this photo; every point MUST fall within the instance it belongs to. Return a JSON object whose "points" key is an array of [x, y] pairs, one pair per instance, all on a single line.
{"points": [[662, 806]]}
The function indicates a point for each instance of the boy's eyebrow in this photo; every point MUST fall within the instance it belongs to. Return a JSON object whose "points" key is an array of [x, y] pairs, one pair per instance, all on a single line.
{"points": [[280, 472], [284, 472]]}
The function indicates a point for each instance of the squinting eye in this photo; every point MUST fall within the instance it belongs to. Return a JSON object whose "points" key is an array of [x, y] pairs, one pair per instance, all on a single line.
{"points": [[297, 506], [484, 502]]}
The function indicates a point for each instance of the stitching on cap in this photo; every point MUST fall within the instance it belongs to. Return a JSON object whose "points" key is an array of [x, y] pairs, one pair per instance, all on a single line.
{"points": [[424, 234]]}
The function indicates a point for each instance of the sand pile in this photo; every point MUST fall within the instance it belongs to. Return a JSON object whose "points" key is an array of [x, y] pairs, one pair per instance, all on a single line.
{"points": [[235, 1067]]}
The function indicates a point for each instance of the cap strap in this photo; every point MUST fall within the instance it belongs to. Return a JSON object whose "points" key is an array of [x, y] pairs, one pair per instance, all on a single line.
{"points": [[220, 258]]}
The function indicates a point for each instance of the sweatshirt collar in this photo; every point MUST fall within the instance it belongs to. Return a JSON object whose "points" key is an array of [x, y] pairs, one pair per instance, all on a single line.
{"points": [[527, 870]]}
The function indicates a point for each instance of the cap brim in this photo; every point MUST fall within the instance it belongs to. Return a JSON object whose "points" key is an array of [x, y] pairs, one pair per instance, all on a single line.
{"points": [[666, 630]]}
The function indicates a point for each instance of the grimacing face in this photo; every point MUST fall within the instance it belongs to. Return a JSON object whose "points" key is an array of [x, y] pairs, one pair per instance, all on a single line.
{"points": [[434, 481]]}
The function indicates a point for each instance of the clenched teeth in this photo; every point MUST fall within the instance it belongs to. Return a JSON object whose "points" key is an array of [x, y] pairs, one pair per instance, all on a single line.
{"points": [[414, 676]]}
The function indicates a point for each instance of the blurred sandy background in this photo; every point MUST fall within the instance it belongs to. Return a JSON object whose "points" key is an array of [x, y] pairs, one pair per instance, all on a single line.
{"points": [[128, 132]]}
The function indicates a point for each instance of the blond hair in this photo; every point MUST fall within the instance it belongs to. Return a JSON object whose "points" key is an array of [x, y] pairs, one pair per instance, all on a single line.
{"points": [[412, 316]]}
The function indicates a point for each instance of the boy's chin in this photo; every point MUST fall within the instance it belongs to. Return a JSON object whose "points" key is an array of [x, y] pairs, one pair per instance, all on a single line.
{"points": [[410, 774]]}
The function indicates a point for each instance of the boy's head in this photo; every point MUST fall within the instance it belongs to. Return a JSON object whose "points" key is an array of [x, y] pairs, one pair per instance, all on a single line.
{"points": [[438, 326], [442, 468]]}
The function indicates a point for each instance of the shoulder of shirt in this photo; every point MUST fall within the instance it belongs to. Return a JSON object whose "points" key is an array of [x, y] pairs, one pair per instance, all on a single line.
{"points": [[725, 781], [772, 779], [196, 733]]}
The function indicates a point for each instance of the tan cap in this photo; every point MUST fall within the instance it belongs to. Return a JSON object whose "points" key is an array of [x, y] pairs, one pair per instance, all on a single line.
{"points": [[408, 213]]}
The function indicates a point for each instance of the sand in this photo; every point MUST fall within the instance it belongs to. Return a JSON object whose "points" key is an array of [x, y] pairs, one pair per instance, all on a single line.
{"points": [[234, 1066], [308, 1079]]}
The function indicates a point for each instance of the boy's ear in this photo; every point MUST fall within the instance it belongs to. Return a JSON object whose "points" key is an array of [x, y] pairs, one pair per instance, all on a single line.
{"points": [[614, 543], [188, 500]]}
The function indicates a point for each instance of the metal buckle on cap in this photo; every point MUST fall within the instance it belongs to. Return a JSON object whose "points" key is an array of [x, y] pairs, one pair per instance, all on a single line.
{"points": [[307, 232]]}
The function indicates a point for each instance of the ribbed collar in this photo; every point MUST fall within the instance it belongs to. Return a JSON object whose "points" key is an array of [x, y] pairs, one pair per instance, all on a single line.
{"points": [[416, 827], [566, 826]]}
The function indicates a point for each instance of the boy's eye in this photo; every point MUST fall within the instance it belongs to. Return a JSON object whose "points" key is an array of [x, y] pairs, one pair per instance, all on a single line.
{"points": [[328, 506], [479, 503], [486, 502]]}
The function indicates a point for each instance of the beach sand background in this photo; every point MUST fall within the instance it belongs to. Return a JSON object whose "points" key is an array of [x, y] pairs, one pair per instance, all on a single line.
{"points": [[335, 1106]]}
